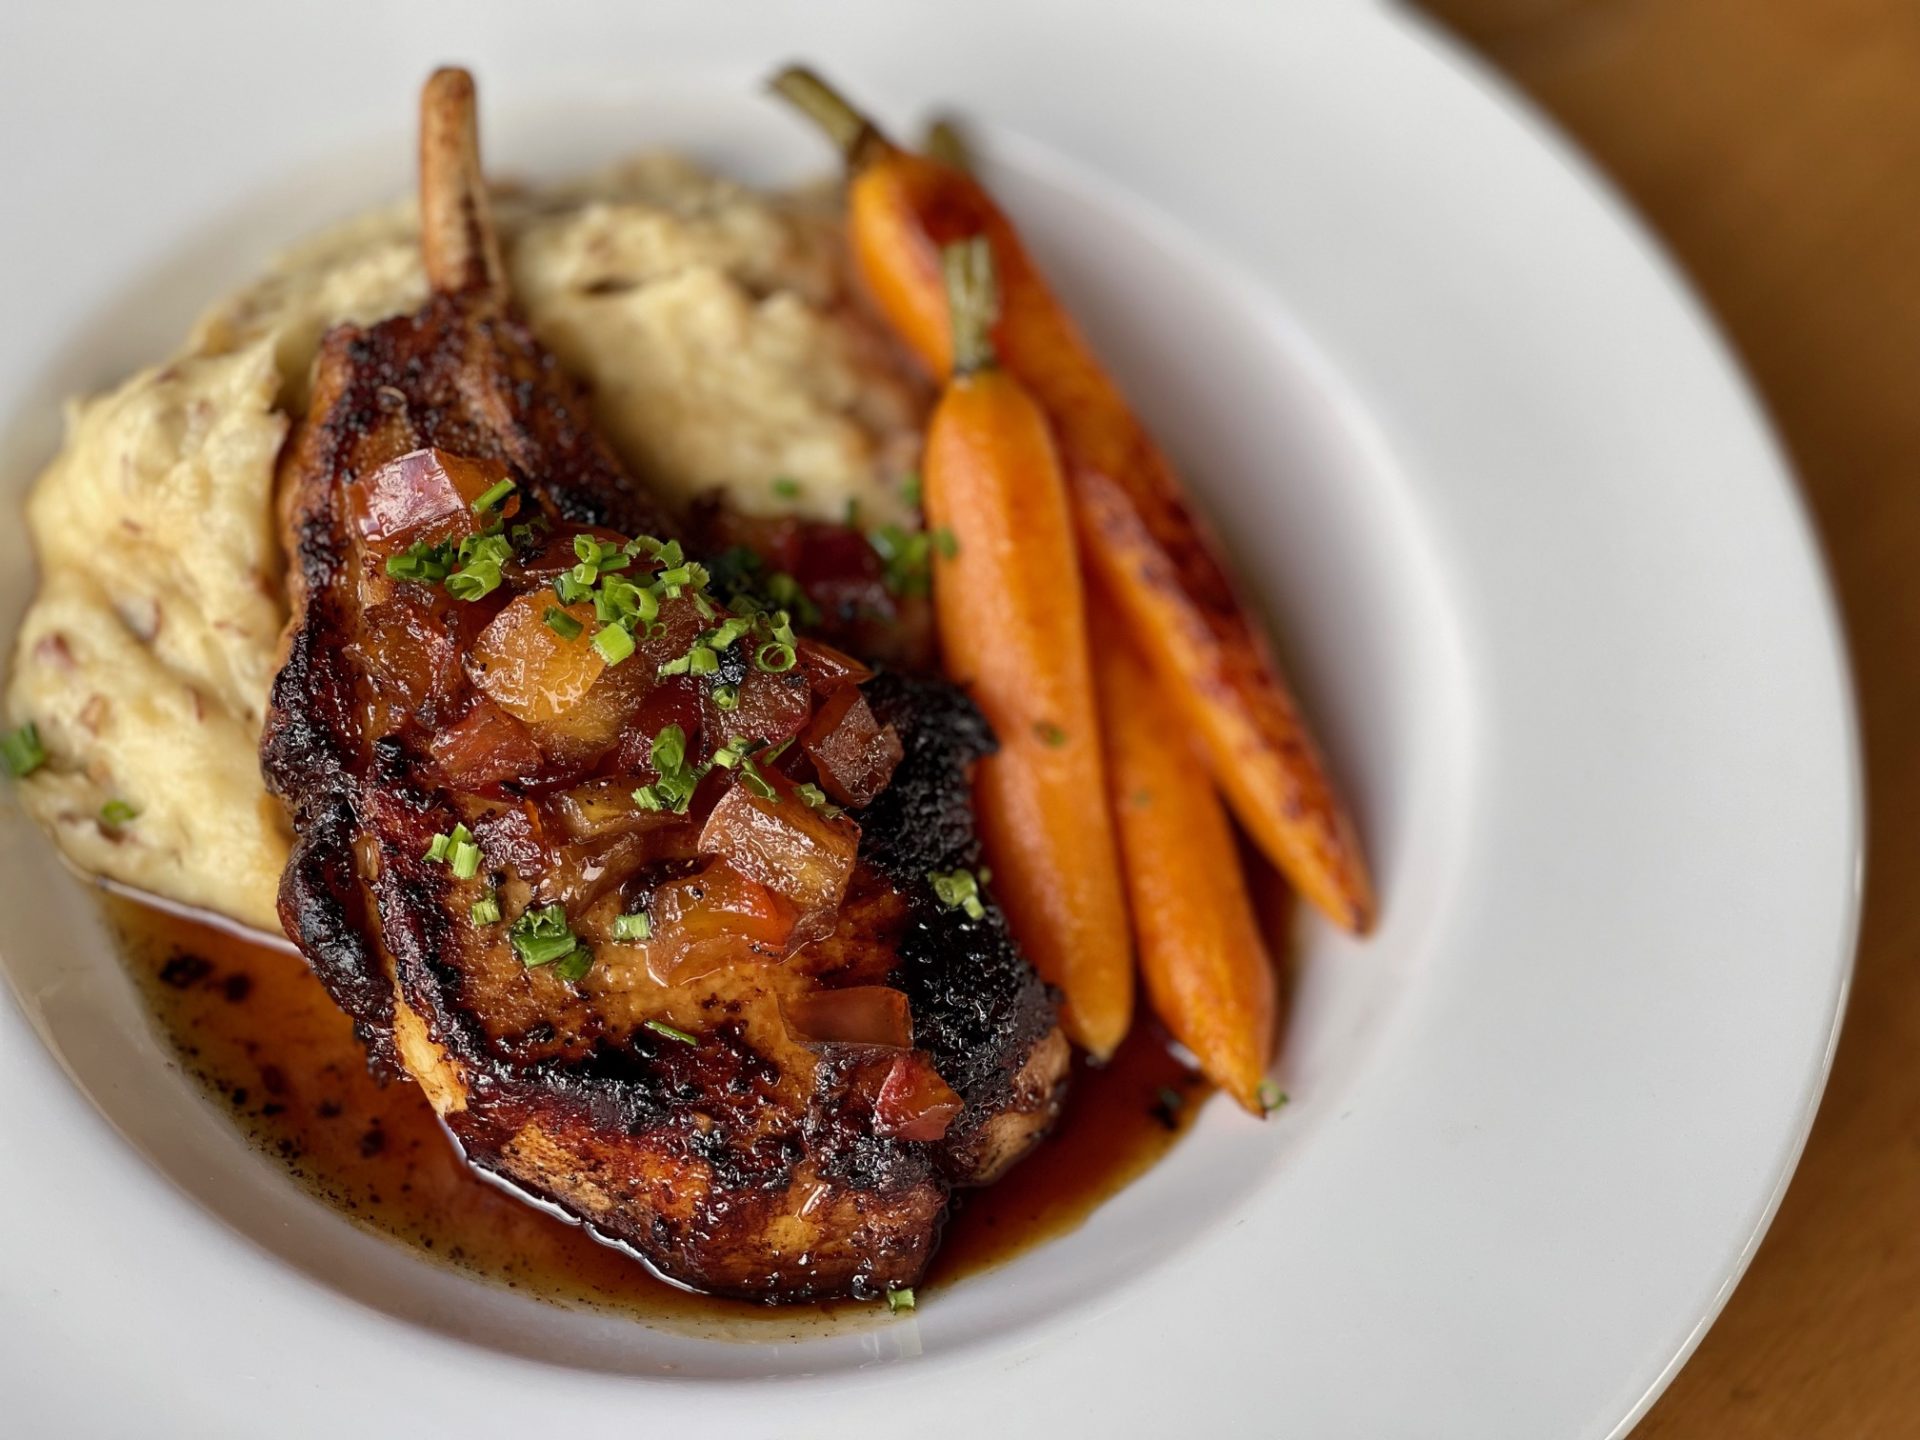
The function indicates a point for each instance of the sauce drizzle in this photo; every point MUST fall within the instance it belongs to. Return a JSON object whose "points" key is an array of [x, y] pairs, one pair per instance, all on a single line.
{"points": [[253, 1027]]}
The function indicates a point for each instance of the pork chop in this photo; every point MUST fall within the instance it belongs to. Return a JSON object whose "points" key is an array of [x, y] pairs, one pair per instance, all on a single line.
{"points": [[674, 914]]}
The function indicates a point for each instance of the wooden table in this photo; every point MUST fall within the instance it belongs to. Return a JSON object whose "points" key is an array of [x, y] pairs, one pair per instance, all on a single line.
{"points": [[1775, 144]]}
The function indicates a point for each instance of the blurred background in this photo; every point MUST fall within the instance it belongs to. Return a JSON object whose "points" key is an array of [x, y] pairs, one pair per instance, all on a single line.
{"points": [[1775, 147]]}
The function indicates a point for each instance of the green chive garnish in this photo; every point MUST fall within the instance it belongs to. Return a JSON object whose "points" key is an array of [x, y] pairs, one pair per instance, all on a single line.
{"points": [[635, 926], [674, 789], [669, 749], [116, 813], [901, 1299], [465, 860], [493, 495], [786, 488], [1271, 1096], [776, 656], [1050, 734], [660, 1027], [439, 848], [23, 750], [539, 937], [569, 591], [481, 557], [421, 563], [726, 697], [958, 890], [614, 642], [816, 799], [486, 910], [574, 964], [561, 623]]}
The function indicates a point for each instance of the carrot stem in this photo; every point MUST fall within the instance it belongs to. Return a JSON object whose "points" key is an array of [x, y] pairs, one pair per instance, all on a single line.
{"points": [[846, 127], [945, 143], [973, 302]]}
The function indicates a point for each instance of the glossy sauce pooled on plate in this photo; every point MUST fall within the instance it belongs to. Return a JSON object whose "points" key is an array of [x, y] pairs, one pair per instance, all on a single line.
{"points": [[252, 1026]]}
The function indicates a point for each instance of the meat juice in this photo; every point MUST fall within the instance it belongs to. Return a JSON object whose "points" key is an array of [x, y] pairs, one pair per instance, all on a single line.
{"points": [[251, 1025]]}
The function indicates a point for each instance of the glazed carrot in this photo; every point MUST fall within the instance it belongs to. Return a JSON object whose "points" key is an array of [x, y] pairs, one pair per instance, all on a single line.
{"points": [[1012, 622], [1137, 530], [1207, 974]]}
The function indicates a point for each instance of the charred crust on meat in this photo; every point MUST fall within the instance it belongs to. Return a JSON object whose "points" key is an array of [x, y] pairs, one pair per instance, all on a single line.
{"points": [[698, 1157], [977, 1005]]}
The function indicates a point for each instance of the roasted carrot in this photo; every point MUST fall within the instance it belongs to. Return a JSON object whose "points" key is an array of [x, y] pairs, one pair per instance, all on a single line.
{"points": [[1012, 620], [1207, 974], [1137, 530]]}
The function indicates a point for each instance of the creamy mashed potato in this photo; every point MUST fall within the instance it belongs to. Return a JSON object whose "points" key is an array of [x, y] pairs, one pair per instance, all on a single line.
{"points": [[714, 326]]}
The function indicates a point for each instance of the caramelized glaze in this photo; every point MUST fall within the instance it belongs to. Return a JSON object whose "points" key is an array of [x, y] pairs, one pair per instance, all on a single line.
{"points": [[252, 1026]]}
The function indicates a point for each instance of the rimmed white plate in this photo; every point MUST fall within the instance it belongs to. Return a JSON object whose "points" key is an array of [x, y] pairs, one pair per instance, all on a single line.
{"points": [[1541, 573]]}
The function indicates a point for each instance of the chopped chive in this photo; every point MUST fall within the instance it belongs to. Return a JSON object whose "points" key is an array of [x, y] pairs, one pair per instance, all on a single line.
{"points": [[958, 890], [465, 860], [945, 543], [900, 1299], [421, 563], [526, 533], [480, 557], [568, 590], [562, 624], [703, 660], [474, 582], [486, 910], [726, 697], [910, 488], [539, 937], [614, 642], [906, 556], [674, 789], [574, 964], [660, 1027], [1271, 1096], [669, 749], [729, 631], [23, 751], [816, 799], [756, 782], [635, 926], [776, 657], [1050, 734], [786, 488], [116, 813], [492, 496], [439, 848]]}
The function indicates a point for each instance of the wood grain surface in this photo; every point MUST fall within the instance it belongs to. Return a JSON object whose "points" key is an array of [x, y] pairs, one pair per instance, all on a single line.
{"points": [[1775, 145]]}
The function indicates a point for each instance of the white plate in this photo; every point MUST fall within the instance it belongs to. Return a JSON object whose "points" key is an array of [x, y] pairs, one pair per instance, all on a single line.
{"points": [[1542, 575]]}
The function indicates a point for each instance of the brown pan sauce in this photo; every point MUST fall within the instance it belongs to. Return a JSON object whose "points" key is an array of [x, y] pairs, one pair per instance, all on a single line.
{"points": [[253, 1027]]}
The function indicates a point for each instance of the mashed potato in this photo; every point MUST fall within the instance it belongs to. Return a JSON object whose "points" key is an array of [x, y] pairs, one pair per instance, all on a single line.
{"points": [[714, 327]]}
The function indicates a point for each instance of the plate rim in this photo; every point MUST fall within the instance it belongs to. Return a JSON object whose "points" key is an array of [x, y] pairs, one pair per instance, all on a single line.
{"points": [[1541, 131]]}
